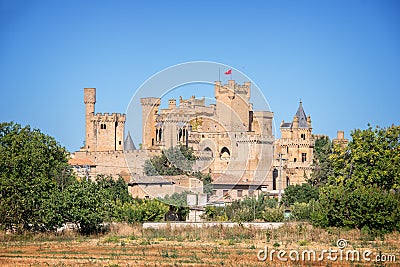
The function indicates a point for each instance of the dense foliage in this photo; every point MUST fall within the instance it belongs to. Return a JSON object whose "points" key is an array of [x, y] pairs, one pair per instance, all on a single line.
{"points": [[372, 158], [177, 160], [38, 191], [248, 209], [302, 193], [366, 207], [32, 166], [173, 161], [322, 163], [362, 190]]}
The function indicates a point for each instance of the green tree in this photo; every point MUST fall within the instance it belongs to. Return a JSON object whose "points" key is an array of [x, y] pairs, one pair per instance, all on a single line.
{"points": [[116, 189], [173, 161], [32, 167], [363, 207], [372, 157], [143, 210], [322, 165], [363, 189], [85, 204], [302, 193], [177, 203]]}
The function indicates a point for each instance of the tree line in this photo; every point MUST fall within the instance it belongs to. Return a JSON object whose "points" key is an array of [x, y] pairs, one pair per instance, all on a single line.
{"points": [[356, 186]]}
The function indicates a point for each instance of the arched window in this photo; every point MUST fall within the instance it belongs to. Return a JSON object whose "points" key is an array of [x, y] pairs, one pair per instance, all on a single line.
{"points": [[225, 153], [208, 152], [287, 181], [225, 150]]}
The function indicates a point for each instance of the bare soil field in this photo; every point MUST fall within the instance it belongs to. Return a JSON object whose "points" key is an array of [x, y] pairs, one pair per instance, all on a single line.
{"points": [[215, 246]]}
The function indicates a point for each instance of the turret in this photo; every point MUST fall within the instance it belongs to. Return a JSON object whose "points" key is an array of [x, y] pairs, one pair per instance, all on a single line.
{"points": [[89, 99], [172, 104]]}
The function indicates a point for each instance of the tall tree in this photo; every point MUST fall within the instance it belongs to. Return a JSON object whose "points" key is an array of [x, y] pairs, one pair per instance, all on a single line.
{"points": [[322, 164], [32, 166]]}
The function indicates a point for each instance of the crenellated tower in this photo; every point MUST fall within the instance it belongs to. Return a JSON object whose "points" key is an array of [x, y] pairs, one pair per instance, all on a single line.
{"points": [[150, 106], [104, 132]]}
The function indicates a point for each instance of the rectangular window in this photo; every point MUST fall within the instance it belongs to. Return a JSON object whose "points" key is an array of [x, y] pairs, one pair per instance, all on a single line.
{"points": [[224, 192], [303, 157], [239, 193], [214, 192]]}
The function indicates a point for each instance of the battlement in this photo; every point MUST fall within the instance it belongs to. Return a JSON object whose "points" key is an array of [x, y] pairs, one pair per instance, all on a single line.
{"points": [[233, 88], [192, 102], [150, 101], [114, 117]]}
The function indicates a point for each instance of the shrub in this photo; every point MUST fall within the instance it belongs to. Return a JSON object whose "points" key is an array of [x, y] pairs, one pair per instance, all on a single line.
{"points": [[302, 211], [364, 207], [273, 215]]}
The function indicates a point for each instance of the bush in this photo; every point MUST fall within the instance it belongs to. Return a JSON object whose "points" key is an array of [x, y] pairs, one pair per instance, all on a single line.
{"points": [[364, 207], [213, 213], [143, 211], [302, 193], [273, 215], [302, 211]]}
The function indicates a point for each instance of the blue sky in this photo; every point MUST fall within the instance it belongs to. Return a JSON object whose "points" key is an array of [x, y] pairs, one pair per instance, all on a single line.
{"points": [[342, 58]]}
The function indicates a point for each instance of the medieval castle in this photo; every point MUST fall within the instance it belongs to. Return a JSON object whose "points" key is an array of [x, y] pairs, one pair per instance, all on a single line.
{"points": [[233, 143]]}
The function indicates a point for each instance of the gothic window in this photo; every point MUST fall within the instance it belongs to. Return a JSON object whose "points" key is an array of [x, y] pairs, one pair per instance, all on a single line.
{"points": [[103, 126], [160, 135], [225, 153], [303, 157]]}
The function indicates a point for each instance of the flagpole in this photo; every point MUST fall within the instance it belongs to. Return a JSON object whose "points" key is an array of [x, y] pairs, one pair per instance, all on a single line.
{"points": [[219, 74]]}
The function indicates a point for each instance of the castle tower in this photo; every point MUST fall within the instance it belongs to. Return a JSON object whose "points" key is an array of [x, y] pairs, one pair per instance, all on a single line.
{"points": [[340, 140], [150, 106], [296, 147], [104, 132], [89, 99]]}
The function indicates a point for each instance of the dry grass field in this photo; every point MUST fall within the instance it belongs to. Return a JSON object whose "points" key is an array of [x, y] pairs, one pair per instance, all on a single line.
{"points": [[215, 246]]}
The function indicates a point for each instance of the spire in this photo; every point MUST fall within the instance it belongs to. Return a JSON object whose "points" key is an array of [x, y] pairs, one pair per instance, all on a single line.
{"points": [[301, 115], [129, 145]]}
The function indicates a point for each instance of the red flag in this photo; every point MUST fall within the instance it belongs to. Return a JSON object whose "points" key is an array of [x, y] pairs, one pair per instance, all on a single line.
{"points": [[228, 72]]}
